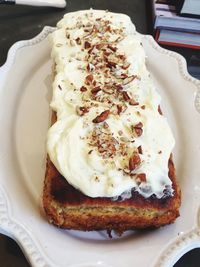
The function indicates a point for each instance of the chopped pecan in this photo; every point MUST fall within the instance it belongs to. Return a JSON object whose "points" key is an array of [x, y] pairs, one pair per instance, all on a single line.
{"points": [[129, 79], [86, 30], [98, 46], [87, 45], [83, 89], [90, 67], [138, 129], [107, 53], [111, 64], [82, 110], [159, 110], [134, 161], [78, 41], [122, 57], [132, 102], [105, 125], [125, 66], [94, 82], [90, 152], [119, 87], [88, 79], [143, 107], [140, 151], [102, 117], [91, 50], [125, 95], [108, 28], [123, 76], [141, 177], [114, 49], [119, 109], [95, 90]]}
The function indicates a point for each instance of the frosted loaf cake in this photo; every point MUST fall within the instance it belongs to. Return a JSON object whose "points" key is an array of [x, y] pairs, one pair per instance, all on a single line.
{"points": [[109, 149]]}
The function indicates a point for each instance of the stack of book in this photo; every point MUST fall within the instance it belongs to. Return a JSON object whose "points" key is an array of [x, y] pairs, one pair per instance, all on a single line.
{"points": [[172, 24], [177, 27]]}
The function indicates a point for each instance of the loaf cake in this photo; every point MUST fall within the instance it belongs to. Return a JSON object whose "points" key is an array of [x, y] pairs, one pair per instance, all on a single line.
{"points": [[109, 163]]}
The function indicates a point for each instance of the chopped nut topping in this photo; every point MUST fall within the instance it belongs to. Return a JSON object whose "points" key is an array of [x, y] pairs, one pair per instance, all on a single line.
{"points": [[140, 151], [125, 96], [83, 89], [111, 64], [107, 75], [141, 177], [105, 125], [114, 49], [102, 117], [134, 161], [159, 110], [126, 66], [90, 67], [89, 79], [137, 129], [97, 179], [96, 89], [78, 41], [104, 142], [119, 109], [132, 102], [119, 87], [82, 110], [129, 79], [87, 45]]}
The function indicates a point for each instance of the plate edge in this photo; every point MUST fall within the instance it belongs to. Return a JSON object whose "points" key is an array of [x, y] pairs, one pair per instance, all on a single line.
{"points": [[24, 43], [189, 240], [182, 66], [9, 226]]}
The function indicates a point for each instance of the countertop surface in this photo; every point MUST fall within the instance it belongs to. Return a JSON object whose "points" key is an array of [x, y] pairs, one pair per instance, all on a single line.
{"points": [[24, 22]]}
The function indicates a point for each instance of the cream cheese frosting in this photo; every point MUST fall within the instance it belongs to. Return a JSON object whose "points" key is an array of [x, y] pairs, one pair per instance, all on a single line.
{"points": [[109, 137]]}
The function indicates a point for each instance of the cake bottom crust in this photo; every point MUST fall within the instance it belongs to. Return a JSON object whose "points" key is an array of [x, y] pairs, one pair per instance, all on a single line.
{"points": [[68, 208]]}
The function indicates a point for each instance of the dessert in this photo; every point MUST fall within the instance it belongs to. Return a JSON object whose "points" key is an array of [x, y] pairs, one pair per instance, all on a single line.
{"points": [[109, 162]]}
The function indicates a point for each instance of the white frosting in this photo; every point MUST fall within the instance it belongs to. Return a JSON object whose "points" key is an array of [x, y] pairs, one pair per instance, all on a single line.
{"points": [[68, 143]]}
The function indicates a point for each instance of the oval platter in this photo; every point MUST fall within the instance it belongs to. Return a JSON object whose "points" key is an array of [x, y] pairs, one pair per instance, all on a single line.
{"points": [[25, 93]]}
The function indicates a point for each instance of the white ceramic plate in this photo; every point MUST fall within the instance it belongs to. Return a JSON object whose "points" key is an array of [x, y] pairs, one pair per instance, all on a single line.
{"points": [[25, 92]]}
